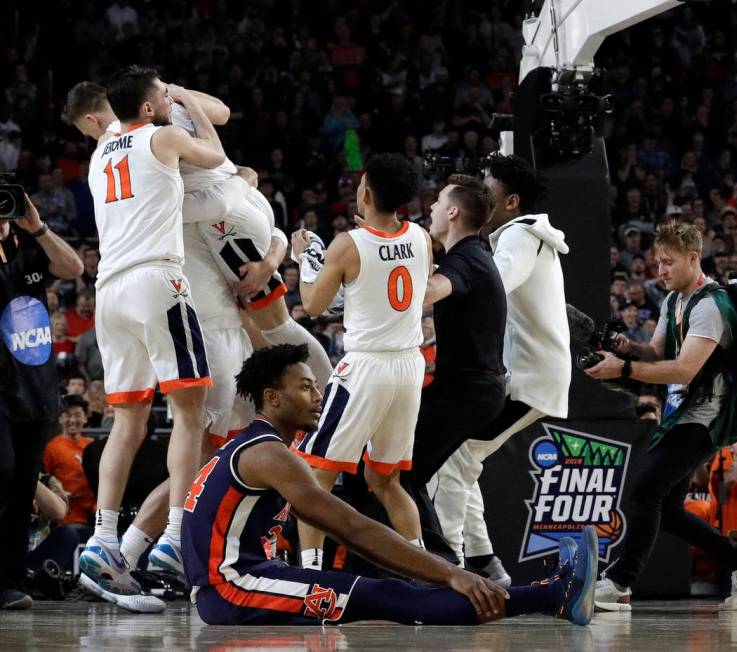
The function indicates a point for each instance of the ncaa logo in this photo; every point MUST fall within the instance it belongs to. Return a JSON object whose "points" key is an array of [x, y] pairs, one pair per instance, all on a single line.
{"points": [[26, 331], [545, 454]]}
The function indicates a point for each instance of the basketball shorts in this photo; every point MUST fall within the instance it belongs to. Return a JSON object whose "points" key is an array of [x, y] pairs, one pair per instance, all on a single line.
{"points": [[236, 222], [371, 402], [148, 332], [274, 593], [227, 349]]}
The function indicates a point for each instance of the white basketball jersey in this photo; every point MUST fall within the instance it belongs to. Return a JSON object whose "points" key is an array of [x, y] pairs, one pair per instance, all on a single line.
{"points": [[138, 204], [383, 304], [198, 178]]}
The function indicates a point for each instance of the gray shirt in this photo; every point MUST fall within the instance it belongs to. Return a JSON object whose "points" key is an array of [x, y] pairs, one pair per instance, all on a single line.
{"points": [[705, 321], [88, 354]]}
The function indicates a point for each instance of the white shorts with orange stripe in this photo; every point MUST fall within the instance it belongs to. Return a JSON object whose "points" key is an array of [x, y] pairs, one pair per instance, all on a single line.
{"points": [[371, 402], [236, 222], [227, 349], [148, 333]]}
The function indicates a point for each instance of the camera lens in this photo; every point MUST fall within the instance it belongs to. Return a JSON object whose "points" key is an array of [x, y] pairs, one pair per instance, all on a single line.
{"points": [[8, 204]]}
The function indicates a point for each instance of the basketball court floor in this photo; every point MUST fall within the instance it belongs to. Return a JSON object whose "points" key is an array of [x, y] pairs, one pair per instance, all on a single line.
{"points": [[695, 626]]}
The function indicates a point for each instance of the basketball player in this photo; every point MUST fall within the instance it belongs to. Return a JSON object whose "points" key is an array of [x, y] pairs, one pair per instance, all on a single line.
{"points": [[241, 500], [218, 194], [148, 330], [374, 394]]}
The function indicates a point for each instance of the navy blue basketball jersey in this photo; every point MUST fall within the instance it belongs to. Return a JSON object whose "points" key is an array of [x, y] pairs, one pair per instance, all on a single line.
{"points": [[229, 527]]}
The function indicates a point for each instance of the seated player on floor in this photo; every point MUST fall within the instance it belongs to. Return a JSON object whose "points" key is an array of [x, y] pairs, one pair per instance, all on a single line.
{"points": [[241, 498]]}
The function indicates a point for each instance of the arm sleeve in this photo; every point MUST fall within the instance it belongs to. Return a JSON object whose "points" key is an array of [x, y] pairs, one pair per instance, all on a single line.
{"points": [[515, 256], [457, 270]]}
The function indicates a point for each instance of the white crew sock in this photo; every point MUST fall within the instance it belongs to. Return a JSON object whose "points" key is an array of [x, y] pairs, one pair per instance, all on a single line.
{"points": [[134, 544], [312, 558], [418, 542], [173, 530], [106, 526], [290, 332]]}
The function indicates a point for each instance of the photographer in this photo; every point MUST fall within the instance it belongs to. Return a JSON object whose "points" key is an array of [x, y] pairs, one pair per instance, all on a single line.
{"points": [[689, 353], [29, 394], [536, 349]]}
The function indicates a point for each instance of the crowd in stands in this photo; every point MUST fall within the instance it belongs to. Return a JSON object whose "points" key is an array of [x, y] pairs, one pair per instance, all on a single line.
{"points": [[315, 88]]}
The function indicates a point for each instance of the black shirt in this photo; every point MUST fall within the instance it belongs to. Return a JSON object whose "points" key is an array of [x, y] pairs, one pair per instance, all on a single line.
{"points": [[29, 386], [469, 323]]}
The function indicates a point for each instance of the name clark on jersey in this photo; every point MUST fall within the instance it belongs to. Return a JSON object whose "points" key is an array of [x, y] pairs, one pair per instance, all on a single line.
{"points": [[124, 142], [396, 252]]}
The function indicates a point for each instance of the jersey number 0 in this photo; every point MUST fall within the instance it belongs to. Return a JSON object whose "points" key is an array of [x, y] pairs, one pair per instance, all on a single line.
{"points": [[400, 301], [125, 180]]}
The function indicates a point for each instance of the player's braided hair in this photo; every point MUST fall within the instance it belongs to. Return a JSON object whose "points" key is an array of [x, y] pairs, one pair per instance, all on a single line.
{"points": [[265, 368], [519, 178]]}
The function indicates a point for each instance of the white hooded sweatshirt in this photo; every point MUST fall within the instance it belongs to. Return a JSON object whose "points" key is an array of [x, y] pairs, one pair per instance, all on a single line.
{"points": [[536, 343]]}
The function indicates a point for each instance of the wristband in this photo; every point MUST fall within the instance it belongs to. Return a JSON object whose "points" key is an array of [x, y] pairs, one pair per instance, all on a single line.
{"points": [[44, 229], [627, 369], [316, 244]]}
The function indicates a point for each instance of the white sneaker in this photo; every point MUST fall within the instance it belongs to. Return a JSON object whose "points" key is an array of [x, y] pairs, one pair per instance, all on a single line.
{"points": [[166, 556], [104, 573], [498, 573], [730, 603], [140, 603], [608, 597]]}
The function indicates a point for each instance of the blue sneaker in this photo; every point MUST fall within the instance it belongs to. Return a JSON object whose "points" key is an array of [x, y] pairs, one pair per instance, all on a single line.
{"points": [[166, 556], [15, 600], [104, 573], [567, 549], [578, 581]]}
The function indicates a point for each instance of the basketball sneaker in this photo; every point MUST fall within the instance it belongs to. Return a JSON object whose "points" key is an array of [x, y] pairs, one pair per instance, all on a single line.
{"points": [[577, 579], [15, 600], [166, 556], [104, 573], [493, 570], [730, 603], [612, 597]]}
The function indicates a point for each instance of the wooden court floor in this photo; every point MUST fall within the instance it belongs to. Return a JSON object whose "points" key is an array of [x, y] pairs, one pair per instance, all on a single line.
{"points": [[695, 626]]}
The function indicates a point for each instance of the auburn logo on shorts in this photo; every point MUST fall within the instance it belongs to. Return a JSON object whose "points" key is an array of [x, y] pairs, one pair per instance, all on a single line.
{"points": [[225, 231], [321, 602], [178, 291]]}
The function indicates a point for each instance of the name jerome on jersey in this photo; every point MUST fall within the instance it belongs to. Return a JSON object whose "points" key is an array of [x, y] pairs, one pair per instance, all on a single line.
{"points": [[124, 142], [396, 252]]}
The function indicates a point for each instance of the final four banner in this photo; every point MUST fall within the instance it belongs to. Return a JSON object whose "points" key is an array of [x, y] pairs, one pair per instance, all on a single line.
{"points": [[554, 478]]}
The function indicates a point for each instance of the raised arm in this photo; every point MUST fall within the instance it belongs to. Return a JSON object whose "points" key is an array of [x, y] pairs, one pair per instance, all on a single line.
{"points": [[215, 109]]}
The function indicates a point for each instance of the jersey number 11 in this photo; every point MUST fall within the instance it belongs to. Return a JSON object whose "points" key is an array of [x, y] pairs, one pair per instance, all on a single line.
{"points": [[125, 180]]}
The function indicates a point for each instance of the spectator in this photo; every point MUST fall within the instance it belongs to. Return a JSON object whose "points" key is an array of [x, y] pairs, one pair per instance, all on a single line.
{"points": [[91, 259], [428, 347], [52, 299], [76, 384], [632, 246], [631, 318], [63, 347], [436, 138], [97, 400], [291, 280], [52, 205], [81, 317], [10, 141], [63, 459], [87, 354], [646, 309]]}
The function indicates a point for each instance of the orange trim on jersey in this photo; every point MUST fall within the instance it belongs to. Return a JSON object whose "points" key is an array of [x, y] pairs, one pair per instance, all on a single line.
{"points": [[328, 465], [382, 234], [219, 532], [387, 469], [166, 386], [278, 291], [135, 126], [242, 598], [140, 396], [218, 441]]}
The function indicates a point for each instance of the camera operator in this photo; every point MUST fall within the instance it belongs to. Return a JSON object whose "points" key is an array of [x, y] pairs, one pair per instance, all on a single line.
{"points": [[536, 348], [688, 354], [29, 388]]}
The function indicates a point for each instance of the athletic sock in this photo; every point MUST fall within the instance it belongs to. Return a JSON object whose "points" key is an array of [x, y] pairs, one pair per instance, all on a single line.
{"points": [[106, 526], [134, 544], [173, 530], [537, 598], [418, 542], [312, 558], [290, 332]]}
